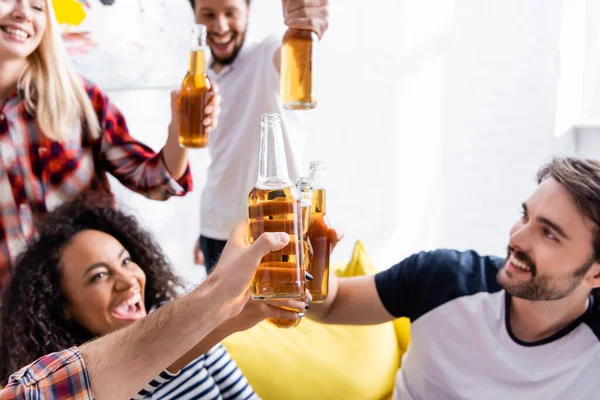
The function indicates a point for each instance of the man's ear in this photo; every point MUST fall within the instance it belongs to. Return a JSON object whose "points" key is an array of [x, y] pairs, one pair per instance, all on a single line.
{"points": [[593, 276]]}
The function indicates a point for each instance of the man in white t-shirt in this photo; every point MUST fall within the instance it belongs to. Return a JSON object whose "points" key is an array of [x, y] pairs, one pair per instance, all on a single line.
{"points": [[522, 327], [247, 72]]}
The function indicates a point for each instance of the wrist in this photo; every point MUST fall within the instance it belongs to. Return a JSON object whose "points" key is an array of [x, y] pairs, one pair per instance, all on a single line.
{"points": [[173, 134], [220, 303]]}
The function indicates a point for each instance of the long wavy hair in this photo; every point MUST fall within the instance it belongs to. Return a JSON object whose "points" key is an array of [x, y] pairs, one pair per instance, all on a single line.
{"points": [[32, 313], [53, 91]]}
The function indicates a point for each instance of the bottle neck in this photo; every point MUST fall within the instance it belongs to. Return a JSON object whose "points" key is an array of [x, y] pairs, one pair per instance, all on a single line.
{"points": [[302, 34], [317, 175], [306, 212], [305, 191], [272, 166], [318, 201], [197, 62]]}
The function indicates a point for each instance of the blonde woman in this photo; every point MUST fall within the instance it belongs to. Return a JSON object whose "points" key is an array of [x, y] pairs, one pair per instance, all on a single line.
{"points": [[60, 135]]}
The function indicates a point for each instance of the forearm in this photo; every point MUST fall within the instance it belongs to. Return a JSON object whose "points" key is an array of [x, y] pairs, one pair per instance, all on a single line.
{"points": [[175, 156], [211, 340], [121, 363], [351, 301], [320, 311]]}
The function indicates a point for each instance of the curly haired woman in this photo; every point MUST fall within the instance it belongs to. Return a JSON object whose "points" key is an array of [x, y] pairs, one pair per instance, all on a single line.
{"points": [[93, 270]]}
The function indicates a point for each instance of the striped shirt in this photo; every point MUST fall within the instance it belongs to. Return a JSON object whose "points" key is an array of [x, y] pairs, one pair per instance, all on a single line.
{"points": [[212, 376], [38, 174], [63, 375]]}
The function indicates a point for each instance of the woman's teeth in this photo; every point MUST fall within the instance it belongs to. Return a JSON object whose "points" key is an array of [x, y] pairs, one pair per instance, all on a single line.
{"points": [[15, 32]]}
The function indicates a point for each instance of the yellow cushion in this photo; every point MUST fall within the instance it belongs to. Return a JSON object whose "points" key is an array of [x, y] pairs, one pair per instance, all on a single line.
{"points": [[317, 361]]}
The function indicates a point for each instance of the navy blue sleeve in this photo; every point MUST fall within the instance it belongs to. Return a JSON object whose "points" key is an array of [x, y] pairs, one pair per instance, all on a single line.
{"points": [[427, 280]]}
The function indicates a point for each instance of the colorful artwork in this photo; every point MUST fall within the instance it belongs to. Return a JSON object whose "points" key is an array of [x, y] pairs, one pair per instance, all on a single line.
{"points": [[127, 44]]}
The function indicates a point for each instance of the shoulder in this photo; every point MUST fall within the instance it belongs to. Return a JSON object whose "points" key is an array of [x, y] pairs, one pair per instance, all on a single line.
{"points": [[63, 372], [427, 280], [91, 88], [466, 266], [272, 41], [266, 47], [105, 109], [592, 319]]}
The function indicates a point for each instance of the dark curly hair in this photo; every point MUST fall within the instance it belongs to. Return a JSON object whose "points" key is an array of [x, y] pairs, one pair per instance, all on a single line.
{"points": [[32, 317]]}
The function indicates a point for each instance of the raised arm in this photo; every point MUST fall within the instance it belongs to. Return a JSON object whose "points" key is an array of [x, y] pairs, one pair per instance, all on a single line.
{"points": [[306, 15], [117, 365], [157, 176]]}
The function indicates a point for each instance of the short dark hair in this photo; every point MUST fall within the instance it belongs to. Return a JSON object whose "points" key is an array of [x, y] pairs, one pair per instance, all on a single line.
{"points": [[32, 317], [193, 3]]}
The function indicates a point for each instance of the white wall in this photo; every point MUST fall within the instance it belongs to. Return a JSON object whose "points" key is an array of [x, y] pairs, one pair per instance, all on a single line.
{"points": [[433, 116], [592, 65], [501, 74], [578, 105]]}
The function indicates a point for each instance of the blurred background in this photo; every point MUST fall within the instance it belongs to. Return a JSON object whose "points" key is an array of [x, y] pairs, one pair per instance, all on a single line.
{"points": [[433, 117]]}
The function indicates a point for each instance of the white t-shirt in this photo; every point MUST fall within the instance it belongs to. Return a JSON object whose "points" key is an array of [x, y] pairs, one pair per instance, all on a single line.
{"points": [[462, 345], [249, 87]]}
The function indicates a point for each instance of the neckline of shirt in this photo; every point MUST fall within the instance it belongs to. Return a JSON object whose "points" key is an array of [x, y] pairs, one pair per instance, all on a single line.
{"points": [[563, 332]]}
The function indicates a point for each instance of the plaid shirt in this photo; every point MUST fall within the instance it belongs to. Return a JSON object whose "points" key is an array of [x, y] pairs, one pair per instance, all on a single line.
{"points": [[38, 174], [60, 375]]}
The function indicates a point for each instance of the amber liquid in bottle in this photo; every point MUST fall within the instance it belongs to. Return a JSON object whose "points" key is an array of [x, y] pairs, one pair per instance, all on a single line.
{"points": [[195, 94], [299, 70], [319, 234], [280, 274], [305, 188]]}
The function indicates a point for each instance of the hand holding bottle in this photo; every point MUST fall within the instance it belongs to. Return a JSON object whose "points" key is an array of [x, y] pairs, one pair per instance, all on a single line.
{"points": [[211, 111], [307, 20], [310, 15]]}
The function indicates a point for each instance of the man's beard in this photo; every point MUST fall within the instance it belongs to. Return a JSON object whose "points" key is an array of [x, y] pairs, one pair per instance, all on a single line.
{"points": [[539, 287], [236, 49]]}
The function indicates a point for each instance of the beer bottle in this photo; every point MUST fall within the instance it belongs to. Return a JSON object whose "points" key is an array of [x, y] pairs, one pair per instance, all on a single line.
{"points": [[319, 235], [305, 188], [273, 206], [195, 94], [298, 81]]}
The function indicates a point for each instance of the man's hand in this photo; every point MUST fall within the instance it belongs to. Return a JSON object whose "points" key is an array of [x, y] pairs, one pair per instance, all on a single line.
{"points": [[256, 311], [211, 111], [237, 265], [175, 156], [335, 236], [310, 15]]}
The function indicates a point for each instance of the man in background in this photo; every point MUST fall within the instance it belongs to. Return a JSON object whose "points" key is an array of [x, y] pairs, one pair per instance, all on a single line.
{"points": [[247, 72]]}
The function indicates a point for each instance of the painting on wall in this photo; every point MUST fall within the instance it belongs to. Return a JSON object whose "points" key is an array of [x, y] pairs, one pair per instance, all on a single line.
{"points": [[127, 44]]}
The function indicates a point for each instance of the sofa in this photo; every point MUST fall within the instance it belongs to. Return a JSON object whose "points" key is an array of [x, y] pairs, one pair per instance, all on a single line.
{"points": [[318, 361]]}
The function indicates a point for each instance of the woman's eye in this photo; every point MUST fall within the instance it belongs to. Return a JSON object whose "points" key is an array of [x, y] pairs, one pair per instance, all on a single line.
{"points": [[98, 276]]}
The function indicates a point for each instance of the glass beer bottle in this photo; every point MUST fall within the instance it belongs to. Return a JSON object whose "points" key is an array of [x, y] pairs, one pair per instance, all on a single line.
{"points": [[305, 191], [273, 206], [319, 236], [298, 81], [305, 188], [195, 93]]}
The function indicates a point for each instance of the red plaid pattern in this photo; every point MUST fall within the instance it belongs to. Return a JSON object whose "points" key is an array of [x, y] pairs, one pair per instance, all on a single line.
{"points": [[38, 174], [60, 375]]}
